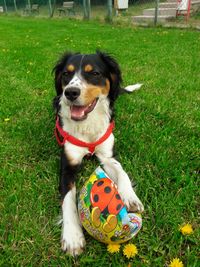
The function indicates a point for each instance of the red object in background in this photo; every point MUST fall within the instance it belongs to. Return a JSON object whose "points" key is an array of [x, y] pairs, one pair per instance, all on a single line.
{"points": [[183, 8]]}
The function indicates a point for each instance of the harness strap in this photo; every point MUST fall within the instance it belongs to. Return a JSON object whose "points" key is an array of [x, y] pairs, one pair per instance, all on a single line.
{"points": [[73, 140]]}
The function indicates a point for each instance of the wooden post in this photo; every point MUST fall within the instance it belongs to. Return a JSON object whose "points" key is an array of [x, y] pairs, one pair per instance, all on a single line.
{"points": [[50, 9], [89, 8], [54, 7], [86, 9], [116, 7], [29, 5], [156, 13], [109, 16], [15, 5], [6, 9]]}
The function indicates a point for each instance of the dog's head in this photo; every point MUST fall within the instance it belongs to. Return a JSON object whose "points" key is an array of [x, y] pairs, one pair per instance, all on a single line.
{"points": [[83, 81]]}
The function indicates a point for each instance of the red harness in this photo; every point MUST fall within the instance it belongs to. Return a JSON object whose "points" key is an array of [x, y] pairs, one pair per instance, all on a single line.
{"points": [[73, 140]]}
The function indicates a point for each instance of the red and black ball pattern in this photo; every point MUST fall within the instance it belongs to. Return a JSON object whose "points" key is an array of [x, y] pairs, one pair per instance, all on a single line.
{"points": [[104, 195]]}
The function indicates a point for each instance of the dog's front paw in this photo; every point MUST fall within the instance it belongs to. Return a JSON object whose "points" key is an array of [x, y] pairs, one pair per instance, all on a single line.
{"points": [[73, 241], [131, 200]]}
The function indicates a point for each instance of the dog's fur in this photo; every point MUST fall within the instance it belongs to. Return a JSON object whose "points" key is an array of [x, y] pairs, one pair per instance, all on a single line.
{"points": [[87, 87]]}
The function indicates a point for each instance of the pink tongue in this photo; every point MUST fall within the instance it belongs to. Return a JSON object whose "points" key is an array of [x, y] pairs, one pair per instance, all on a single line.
{"points": [[78, 112]]}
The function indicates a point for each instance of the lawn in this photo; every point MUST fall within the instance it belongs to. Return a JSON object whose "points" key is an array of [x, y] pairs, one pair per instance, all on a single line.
{"points": [[157, 139]]}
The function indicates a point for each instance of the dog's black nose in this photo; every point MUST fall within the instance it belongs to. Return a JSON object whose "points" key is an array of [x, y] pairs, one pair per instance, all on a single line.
{"points": [[72, 93]]}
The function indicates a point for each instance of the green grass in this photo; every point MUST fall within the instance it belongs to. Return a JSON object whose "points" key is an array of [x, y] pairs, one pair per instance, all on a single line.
{"points": [[157, 139]]}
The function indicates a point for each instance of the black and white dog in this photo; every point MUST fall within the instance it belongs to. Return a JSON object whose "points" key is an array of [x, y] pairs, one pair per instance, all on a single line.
{"points": [[87, 86]]}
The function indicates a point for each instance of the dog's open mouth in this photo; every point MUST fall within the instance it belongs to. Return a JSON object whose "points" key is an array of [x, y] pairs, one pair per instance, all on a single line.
{"points": [[79, 113]]}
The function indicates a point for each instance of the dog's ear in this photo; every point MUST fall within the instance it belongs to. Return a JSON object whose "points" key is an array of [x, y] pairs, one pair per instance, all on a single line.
{"points": [[114, 73], [58, 69]]}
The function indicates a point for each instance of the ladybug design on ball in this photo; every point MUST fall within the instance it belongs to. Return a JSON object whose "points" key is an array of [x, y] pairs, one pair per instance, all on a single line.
{"points": [[105, 200], [103, 213]]}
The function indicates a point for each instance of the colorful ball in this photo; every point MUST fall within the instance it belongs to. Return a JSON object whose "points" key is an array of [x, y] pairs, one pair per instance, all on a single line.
{"points": [[103, 213]]}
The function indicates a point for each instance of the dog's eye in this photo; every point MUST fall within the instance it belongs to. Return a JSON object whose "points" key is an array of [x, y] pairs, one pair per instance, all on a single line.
{"points": [[95, 73], [66, 73]]}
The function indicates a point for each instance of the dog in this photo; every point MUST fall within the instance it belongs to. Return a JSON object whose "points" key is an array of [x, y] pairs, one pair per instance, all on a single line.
{"points": [[87, 86]]}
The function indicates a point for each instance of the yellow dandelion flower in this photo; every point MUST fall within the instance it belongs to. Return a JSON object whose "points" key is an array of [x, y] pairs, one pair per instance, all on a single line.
{"points": [[176, 263], [186, 229], [113, 248], [130, 251]]}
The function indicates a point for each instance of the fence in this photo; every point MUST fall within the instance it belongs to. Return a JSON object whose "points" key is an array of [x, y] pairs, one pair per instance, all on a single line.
{"points": [[127, 11]]}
